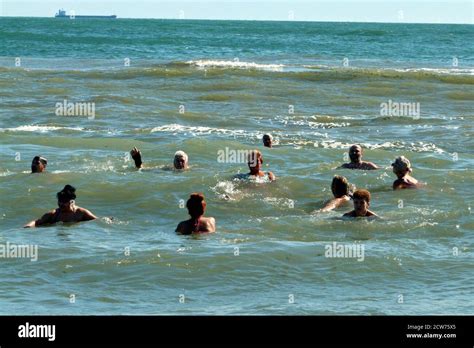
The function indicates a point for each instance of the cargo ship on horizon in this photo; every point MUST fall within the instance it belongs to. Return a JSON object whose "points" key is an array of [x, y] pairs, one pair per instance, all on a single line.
{"points": [[62, 14]]}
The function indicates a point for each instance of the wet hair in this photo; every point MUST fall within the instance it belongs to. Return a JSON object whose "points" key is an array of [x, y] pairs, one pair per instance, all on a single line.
{"points": [[40, 159], [340, 186], [362, 194], [67, 194], [35, 161], [196, 205]]}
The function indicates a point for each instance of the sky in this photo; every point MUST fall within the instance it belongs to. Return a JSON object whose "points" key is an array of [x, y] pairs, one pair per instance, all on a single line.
{"points": [[404, 11]]}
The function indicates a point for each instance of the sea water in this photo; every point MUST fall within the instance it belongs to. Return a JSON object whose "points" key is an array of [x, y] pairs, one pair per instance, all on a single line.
{"points": [[202, 87]]}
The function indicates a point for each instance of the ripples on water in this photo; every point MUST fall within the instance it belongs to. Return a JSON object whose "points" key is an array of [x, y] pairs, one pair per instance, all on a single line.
{"points": [[269, 244]]}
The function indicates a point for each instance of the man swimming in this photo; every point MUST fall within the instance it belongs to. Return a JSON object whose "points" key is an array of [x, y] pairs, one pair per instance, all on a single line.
{"points": [[355, 154], [67, 211], [267, 140], [38, 165], [180, 161], [198, 223], [255, 161], [402, 169], [340, 190], [361, 205]]}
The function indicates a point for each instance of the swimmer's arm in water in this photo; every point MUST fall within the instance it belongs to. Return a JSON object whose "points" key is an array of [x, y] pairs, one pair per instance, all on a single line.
{"points": [[370, 166], [271, 176], [334, 204], [86, 215], [137, 157], [44, 220]]}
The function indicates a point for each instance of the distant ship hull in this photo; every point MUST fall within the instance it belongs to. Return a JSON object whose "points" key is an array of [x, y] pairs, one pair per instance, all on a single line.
{"points": [[86, 17]]}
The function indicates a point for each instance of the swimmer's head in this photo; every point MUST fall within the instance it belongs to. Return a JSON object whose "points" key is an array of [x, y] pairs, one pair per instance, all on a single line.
{"points": [[38, 165], [254, 160], [196, 205], [401, 166], [180, 160], [267, 140], [355, 153], [66, 196], [339, 186], [361, 202]]}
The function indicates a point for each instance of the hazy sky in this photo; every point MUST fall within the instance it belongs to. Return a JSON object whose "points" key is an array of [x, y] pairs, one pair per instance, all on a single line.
{"points": [[409, 11]]}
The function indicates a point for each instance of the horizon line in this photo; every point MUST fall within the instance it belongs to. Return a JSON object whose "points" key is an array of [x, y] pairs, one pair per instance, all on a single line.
{"points": [[250, 20]]}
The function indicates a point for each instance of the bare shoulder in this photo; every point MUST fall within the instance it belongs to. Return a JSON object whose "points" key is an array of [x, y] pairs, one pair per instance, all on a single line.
{"points": [[211, 224], [372, 215], [181, 227], [397, 184], [46, 218], [86, 214]]}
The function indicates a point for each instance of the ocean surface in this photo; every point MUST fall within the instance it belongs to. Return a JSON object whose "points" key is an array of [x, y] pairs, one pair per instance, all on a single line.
{"points": [[202, 87]]}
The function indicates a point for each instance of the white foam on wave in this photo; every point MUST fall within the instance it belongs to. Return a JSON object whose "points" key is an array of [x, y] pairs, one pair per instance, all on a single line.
{"points": [[452, 71], [41, 129], [313, 121], [399, 145], [235, 65], [7, 173], [178, 128], [440, 71]]}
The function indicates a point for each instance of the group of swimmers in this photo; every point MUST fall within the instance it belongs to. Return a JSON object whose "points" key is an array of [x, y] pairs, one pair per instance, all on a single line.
{"points": [[67, 210]]}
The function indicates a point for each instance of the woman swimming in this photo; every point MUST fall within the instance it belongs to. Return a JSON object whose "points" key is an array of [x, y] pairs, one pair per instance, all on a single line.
{"points": [[66, 212], [198, 223]]}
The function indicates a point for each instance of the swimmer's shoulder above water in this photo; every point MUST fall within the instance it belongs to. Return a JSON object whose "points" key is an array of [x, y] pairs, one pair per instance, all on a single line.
{"points": [[255, 161], [355, 154], [198, 223], [402, 169], [67, 210], [361, 200]]}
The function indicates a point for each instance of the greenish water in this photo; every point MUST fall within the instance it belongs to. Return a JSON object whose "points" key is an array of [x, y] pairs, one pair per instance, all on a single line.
{"points": [[236, 81]]}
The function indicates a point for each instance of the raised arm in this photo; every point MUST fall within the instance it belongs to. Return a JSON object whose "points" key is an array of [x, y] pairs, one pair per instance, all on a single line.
{"points": [[137, 157]]}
